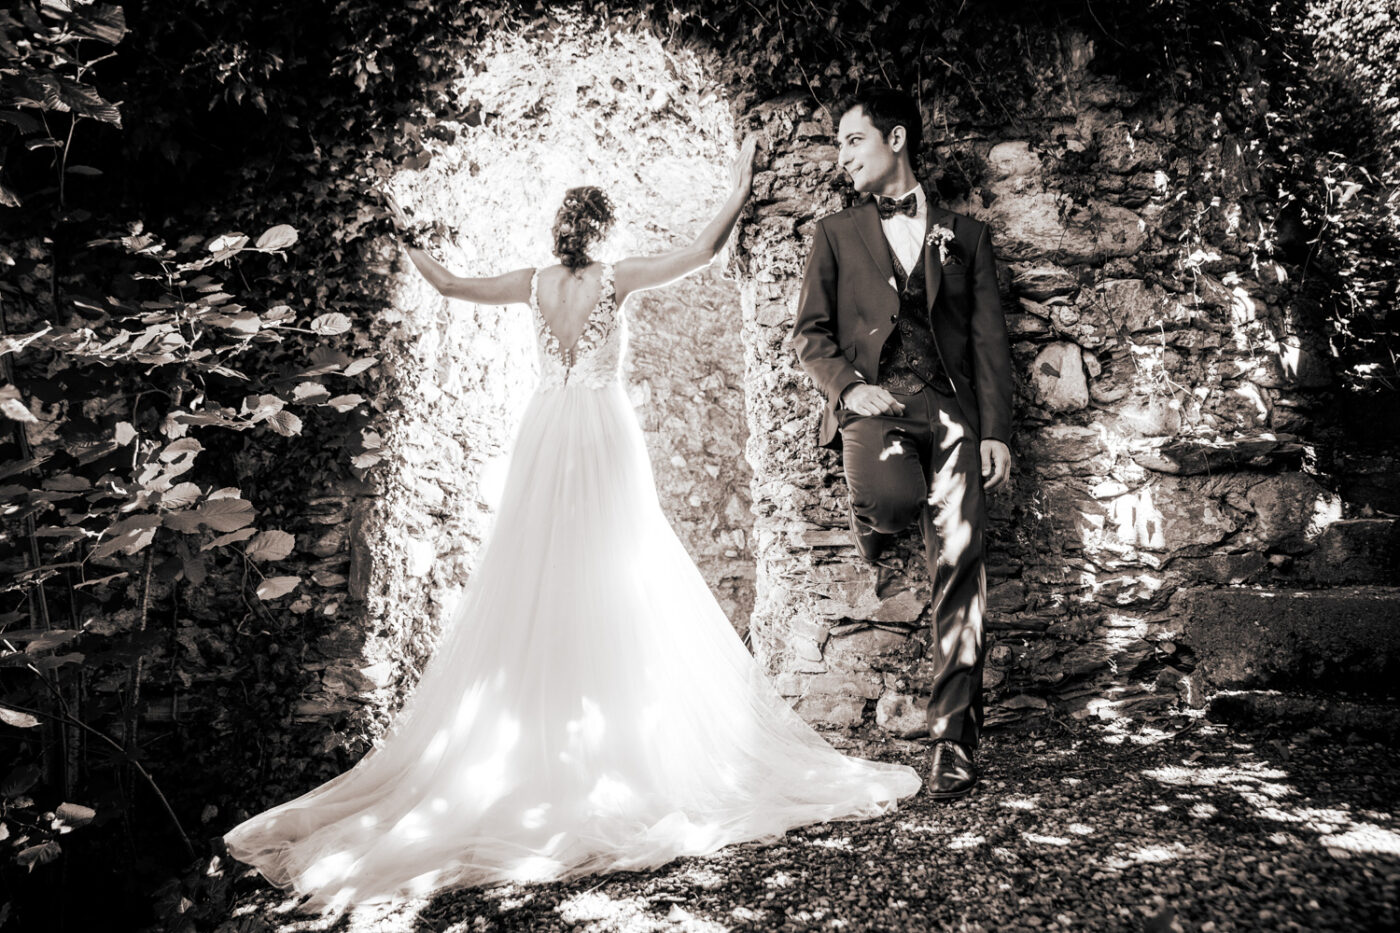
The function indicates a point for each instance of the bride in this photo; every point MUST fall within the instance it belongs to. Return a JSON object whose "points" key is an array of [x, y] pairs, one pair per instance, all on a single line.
{"points": [[589, 709]]}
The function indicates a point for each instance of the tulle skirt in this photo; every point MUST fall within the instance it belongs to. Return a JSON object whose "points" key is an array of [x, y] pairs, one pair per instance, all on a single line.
{"points": [[589, 709]]}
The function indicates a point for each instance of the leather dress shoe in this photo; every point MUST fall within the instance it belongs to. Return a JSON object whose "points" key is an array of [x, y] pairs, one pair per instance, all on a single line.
{"points": [[951, 773]]}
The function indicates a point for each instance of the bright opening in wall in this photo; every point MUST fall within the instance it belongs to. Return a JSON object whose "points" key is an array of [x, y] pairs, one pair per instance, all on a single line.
{"points": [[648, 125]]}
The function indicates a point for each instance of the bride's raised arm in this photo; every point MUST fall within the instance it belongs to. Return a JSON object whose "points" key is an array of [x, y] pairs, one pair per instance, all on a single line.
{"points": [[637, 273], [509, 288]]}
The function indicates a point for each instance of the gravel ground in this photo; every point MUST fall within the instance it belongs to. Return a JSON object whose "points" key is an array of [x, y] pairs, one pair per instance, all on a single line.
{"points": [[1177, 825]]}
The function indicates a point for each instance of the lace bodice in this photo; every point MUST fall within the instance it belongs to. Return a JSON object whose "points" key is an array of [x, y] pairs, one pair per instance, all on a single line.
{"points": [[595, 359]]}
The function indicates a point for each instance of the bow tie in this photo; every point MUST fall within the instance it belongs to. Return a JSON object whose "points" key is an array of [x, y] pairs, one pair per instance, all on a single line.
{"points": [[888, 207]]}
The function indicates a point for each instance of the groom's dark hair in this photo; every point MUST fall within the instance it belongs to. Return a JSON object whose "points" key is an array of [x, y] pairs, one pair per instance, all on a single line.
{"points": [[888, 108]]}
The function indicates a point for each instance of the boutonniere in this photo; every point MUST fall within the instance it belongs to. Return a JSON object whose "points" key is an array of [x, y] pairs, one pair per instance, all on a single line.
{"points": [[941, 237]]}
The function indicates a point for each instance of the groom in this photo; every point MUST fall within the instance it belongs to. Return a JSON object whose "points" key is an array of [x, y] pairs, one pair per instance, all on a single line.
{"points": [[900, 326]]}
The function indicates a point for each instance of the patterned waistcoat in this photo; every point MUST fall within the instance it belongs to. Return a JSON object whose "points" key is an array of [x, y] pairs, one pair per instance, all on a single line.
{"points": [[909, 360]]}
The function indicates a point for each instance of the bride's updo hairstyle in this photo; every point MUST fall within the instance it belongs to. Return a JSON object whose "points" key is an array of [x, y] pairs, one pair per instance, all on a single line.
{"points": [[584, 218]]}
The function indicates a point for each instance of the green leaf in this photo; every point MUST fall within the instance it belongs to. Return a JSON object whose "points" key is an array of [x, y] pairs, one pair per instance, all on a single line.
{"points": [[365, 460], [22, 778], [226, 514], [278, 237], [85, 101], [12, 405], [72, 815], [310, 391], [270, 545], [14, 717], [262, 407], [179, 496], [187, 523], [184, 445], [325, 360], [242, 534], [103, 22], [245, 322], [128, 536], [285, 423], [227, 241], [345, 402], [25, 123], [273, 587], [38, 855], [360, 365], [328, 325], [48, 639]]}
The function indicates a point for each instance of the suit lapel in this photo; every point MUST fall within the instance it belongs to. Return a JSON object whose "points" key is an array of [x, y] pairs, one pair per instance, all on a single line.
{"points": [[933, 269], [867, 221]]}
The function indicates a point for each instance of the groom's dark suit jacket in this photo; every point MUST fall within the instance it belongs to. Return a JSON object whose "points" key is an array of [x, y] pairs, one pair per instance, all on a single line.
{"points": [[849, 306]]}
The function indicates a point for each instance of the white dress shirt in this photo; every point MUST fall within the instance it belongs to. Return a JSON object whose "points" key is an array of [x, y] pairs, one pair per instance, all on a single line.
{"points": [[906, 234]]}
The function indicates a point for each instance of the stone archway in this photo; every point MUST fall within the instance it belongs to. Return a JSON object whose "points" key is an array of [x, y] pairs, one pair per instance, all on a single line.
{"points": [[580, 106]]}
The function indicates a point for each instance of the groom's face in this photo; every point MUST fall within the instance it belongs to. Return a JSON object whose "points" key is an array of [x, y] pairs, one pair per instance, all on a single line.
{"points": [[866, 155]]}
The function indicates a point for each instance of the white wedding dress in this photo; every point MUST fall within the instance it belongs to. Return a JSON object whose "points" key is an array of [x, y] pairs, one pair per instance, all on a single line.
{"points": [[589, 709]]}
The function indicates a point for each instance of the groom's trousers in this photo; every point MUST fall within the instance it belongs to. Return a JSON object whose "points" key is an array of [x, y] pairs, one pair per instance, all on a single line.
{"points": [[925, 465]]}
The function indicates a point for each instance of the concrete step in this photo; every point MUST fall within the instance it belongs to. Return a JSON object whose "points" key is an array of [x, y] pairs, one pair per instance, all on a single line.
{"points": [[1340, 718], [1342, 637], [1353, 550]]}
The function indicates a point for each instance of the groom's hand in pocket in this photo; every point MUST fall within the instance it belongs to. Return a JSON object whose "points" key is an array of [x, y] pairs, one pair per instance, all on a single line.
{"points": [[868, 400]]}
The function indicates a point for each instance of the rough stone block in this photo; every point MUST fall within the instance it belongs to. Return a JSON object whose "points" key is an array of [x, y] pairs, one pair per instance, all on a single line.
{"points": [[902, 715], [854, 651], [1337, 716], [1346, 637], [1151, 416], [1130, 306], [1013, 159], [1067, 443], [1170, 515], [824, 709], [823, 537], [1355, 550], [1031, 227], [1295, 366], [1039, 281], [1291, 510], [1007, 597], [1057, 376], [865, 684]]}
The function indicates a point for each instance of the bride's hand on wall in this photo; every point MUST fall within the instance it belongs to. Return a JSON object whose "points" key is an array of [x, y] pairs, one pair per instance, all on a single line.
{"points": [[396, 213], [741, 172]]}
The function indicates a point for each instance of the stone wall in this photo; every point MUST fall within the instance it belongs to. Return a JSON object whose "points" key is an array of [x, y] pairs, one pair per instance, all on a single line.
{"points": [[1166, 391]]}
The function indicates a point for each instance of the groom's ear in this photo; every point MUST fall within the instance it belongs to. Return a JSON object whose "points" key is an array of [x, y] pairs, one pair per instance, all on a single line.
{"points": [[897, 138]]}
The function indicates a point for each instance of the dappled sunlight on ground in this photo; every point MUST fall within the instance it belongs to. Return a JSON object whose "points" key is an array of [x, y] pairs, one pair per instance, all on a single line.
{"points": [[1100, 829]]}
